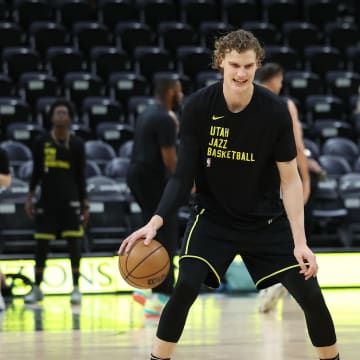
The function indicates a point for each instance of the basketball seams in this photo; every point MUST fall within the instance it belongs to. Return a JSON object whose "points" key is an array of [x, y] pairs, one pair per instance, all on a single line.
{"points": [[133, 283], [142, 261], [160, 270]]}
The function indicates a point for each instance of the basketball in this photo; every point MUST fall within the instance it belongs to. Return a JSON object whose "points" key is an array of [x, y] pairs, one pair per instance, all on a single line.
{"points": [[145, 266]]}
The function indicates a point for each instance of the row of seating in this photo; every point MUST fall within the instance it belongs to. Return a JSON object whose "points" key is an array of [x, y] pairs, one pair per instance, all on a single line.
{"points": [[147, 61], [102, 60], [336, 211], [127, 94], [337, 155], [116, 169], [101, 158], [323, 117], [113, 215], [91, 46], [128, 35], [100, 120], [335, 204], [110, 12]]}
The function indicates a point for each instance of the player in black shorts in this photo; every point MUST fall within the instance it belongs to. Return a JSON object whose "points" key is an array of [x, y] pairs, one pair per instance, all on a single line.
{"points": [[237, 143], [62, 208], [153, 161]]}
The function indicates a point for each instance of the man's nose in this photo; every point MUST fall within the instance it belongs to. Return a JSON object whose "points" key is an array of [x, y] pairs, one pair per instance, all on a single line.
{"points": [[240, 72]]}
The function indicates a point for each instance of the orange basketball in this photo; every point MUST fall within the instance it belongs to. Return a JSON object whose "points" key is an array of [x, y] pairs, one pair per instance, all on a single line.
{"points": [[145, 266]]}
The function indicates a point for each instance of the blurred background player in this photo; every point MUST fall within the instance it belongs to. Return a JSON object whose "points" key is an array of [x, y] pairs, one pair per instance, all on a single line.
{"points": [[62, 209], [271, 76], [5, 181], [153, 160]]}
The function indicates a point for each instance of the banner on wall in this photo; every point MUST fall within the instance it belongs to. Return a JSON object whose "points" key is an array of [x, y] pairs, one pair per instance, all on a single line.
{"points": [[101, 274]]}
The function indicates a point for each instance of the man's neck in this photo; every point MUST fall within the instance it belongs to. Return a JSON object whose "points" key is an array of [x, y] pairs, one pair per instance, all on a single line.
{"points": [[235, 102], [57, 140]]}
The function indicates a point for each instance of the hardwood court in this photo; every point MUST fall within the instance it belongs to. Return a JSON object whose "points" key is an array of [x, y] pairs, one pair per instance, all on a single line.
{"points": [[218, 327]]}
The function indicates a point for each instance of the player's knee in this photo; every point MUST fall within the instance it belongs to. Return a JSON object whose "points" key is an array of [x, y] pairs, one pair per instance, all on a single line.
{"points": [[192, 274], [176, 310], [311, 300], [306, 292], [186, 290]]}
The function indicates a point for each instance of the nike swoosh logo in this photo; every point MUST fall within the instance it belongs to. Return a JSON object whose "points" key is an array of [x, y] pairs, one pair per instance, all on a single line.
{"points": [[216, 117]]}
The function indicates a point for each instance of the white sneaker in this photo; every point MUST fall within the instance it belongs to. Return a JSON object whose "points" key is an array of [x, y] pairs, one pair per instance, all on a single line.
{"points": [[269, 297], [2, 303], [75, 296], [34, 296]]}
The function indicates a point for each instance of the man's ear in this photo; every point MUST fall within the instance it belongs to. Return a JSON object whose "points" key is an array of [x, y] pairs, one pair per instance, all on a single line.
{"points": [[221, 63]]}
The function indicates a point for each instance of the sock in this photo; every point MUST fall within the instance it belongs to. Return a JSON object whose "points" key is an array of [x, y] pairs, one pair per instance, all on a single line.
{"points": [[337, 357], [153, 357]]}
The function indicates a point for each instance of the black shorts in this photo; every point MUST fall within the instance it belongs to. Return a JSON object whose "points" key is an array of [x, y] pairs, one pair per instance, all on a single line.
{"points": [[63, 222], [266, 251]]}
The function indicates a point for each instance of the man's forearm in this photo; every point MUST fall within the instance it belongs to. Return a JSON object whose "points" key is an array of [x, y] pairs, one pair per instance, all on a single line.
{"points": [[294, 207], [156, 222]]}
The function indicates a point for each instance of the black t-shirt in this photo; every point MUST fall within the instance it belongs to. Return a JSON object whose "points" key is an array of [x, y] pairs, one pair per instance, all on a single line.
{"points": [[232, 156], [154, 129], [59, 170], [4, 162]]}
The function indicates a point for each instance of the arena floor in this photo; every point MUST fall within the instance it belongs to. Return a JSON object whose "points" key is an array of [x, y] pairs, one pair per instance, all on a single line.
{"points": [[219, 327]]}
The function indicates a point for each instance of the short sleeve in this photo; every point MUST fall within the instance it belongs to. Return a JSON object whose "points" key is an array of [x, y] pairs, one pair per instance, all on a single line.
{"points": [[167, 132]]}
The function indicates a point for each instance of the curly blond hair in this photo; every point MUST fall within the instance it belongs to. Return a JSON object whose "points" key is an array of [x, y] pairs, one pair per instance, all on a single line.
{"points": [[240, 41]]}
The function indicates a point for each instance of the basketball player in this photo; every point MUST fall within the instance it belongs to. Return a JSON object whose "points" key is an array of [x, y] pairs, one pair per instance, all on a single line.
{"points": [[62, 209], [5, 181], [237, 142], [153, 160]]}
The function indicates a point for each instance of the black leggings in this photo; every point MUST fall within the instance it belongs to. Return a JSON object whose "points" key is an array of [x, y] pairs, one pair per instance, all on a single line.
{"points": [[193, 273], [41, 254]]}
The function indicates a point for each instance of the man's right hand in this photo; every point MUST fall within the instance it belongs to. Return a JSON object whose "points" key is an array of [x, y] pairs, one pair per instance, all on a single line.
{"points": [[147, 233]]}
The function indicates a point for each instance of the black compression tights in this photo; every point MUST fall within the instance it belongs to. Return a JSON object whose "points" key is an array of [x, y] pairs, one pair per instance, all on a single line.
{"points": [[41, 254], [191, 276], [308, 295]]}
